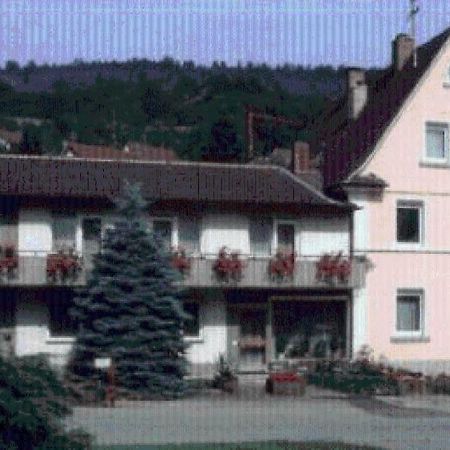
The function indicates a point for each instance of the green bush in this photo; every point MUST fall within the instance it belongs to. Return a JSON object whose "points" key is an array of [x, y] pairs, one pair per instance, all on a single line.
{"points": [[33, 403]]}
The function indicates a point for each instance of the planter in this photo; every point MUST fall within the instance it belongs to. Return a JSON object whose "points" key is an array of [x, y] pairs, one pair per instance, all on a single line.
{"points": [[63, 267], [282, 266], [180, 261], [286, 383], [228, 267]]}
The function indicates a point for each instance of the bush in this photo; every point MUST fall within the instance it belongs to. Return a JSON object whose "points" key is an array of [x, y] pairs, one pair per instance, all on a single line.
{"points": [[33, 403]]}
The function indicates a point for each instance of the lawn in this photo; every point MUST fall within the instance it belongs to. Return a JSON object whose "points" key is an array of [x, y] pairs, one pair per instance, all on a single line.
{"points": [[245, 446]]}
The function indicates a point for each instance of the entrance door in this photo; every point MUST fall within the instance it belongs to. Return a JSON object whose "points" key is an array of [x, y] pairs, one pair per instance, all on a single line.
{"points": [[252, 340], [92, 238]]}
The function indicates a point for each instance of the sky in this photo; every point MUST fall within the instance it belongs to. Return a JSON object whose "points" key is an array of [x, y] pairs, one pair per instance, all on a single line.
{"points": [[305, 32]]}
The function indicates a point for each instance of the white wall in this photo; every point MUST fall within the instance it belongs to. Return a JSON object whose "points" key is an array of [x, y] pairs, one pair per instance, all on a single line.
{"points": [[324, 235], [218, 230], [32, 330], [35, 231], [213, 334]]}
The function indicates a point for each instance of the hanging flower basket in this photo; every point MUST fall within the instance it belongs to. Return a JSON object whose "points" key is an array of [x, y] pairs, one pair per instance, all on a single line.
{"points": [[9, 260], [63, 266], [331, 268], [282, 266], [228, 267], [180, 261]]}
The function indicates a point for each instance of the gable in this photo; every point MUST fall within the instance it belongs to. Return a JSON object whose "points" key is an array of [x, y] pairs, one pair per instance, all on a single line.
{"points": [[399, 157]]}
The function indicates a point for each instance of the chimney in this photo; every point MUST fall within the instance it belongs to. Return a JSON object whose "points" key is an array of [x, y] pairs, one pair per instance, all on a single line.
{"points": [[403, 47], [301, 159], [356, 92]]}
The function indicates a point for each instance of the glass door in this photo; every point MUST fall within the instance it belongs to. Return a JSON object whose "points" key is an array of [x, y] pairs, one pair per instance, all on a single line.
{"points": [[92, 239], [286, 238]]}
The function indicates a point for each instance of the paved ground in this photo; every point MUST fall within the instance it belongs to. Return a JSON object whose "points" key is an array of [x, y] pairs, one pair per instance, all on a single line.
{"points": [[391, 422]]}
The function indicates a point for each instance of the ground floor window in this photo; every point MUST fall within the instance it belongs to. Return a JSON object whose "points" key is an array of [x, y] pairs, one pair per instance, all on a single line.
{"points": [[61, 323], [409, 311], [191, 327], [309, 329]]}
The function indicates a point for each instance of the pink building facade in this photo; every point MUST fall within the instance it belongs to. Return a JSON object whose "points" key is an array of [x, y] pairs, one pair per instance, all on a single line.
{"points": [[393, 162]]}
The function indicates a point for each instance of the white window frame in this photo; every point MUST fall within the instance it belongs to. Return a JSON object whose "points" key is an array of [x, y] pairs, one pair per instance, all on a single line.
{"points": [[444, 126], [295, 224], [411, 203], [173, 221], [420, 333]]}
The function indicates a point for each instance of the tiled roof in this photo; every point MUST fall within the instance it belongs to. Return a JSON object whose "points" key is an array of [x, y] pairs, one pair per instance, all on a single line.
{"points": [[13, 137], [94, 178], [135, 151], [347, 149]]}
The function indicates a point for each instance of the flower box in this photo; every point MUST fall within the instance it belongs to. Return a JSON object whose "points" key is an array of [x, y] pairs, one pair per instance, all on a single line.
{"points": [[228, 267], [63, 266], [9, 260], [282, 266], [333, 268], [180, 261]]}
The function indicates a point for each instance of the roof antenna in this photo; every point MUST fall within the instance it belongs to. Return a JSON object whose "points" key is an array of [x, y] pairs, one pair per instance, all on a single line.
{"points": [[414, 9]]}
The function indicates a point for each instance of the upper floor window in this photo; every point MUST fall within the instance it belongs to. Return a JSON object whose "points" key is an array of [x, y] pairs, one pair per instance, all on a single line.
{"points": [[261, 231], [163, 228], [189, 234], [437, 142], [409, 222], [64, 230], [286, 237]]}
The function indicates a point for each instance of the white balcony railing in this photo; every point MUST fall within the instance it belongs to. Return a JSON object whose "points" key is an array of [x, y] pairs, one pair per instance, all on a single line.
{"points": [[39, 268]]}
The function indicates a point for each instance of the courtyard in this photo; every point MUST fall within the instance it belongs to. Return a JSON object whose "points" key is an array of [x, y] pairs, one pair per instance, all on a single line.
{"points": [[321, 415]]}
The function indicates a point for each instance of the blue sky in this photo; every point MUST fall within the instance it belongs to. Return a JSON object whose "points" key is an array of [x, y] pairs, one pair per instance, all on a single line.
{"points": [[307, 32]]}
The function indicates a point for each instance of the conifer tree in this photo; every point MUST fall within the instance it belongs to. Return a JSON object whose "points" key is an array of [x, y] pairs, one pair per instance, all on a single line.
{"points": [[130, 310]]}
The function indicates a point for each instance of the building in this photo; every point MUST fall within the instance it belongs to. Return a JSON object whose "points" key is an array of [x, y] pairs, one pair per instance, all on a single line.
{"points": [[387, 151], [49, 204]]}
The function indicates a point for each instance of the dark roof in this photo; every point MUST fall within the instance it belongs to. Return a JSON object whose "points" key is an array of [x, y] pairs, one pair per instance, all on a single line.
{"points": [[347, 149], [93, 178], [13, 137], [136, 151], [370, 181]]}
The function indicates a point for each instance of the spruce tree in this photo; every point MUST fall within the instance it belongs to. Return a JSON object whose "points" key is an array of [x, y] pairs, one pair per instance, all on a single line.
{"points": [[130, 310]]}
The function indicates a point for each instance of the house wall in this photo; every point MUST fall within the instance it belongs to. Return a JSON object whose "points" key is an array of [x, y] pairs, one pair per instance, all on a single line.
{"points": [[35, 232], [203, 353], [32, 330], [399, 160]]}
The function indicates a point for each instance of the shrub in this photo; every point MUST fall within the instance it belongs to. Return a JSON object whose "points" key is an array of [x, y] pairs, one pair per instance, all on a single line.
{"points": [[33, 403]]}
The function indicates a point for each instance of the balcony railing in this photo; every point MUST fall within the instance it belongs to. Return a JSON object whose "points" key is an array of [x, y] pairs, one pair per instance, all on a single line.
{"points": [[256, 272], [40, 269]]}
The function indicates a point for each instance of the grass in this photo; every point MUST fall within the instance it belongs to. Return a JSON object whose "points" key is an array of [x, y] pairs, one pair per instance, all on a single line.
{"points": [[245, 446]]}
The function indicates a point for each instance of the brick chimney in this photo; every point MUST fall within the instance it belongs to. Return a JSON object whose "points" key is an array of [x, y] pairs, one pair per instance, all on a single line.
{"points": [[402, 50], [356, 92], [301, 158]]}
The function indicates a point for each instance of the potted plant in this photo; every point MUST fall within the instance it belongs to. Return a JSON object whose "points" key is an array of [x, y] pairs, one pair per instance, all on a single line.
{"points": [[63, 265], [9, 260], [180, 261], [282, 266], [228, 267], [225, 379]]}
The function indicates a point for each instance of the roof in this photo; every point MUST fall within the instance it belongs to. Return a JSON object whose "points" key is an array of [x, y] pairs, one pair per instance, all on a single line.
{"points": [[348, 148], [13, 137], [94, 178], [136, 151]]}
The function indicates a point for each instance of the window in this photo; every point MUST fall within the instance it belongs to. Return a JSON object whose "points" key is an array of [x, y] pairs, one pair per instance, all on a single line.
{"points": [[260, 236], [409, 311], [286, 237], [192, 326], [437, 142], [409, 222], [189, 234], [64, 229], [61, 324], [163, 229]]}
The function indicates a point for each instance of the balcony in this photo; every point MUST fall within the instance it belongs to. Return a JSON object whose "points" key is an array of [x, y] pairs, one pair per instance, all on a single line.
{"points": [[256, 273], [38, 269]]}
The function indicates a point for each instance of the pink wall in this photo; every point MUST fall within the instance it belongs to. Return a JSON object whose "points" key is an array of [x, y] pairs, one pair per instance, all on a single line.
{"points": [[399, 161]]}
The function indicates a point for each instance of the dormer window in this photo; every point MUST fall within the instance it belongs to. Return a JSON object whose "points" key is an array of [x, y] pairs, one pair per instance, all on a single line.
{"points": [[437, 142]]}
